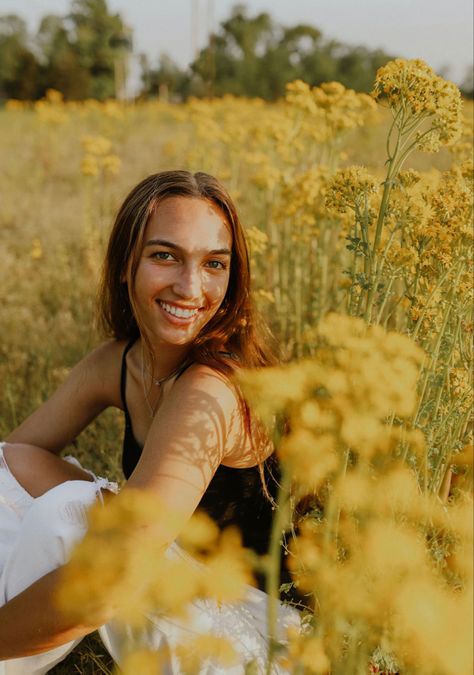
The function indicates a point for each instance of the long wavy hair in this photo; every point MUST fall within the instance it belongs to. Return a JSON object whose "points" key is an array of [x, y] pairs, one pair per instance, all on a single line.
{"points": [[236, 327]]}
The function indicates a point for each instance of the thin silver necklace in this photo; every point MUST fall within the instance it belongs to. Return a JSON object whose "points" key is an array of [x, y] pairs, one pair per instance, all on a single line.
{"points": [[157, 382]]}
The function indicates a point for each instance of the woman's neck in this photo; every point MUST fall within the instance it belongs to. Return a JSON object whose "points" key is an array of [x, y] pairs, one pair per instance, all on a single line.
{"points": [[164, 360]]}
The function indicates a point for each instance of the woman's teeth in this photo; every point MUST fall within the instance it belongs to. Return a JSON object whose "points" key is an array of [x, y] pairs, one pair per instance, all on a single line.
{"points": [[180, 313]]}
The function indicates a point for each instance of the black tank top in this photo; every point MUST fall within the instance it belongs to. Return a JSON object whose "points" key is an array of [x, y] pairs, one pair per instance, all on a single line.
{"points": [[233, 497]]}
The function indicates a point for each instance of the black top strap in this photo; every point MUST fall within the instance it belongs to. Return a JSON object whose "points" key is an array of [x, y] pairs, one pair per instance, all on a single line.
{"points": [[123, 376]]}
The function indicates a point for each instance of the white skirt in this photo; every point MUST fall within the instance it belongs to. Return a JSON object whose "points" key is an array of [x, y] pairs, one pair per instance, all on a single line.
{"points": [[37, 536]]}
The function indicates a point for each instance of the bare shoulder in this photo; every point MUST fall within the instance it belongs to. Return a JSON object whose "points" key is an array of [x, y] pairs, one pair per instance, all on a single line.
{"points": [[106, 354], [209, 381], [206, 393], [97, 373], [105, 360]]}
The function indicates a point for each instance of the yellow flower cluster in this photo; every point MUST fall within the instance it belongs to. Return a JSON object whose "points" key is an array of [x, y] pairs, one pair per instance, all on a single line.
{"points": [[340, 109], [98, 157], [462, 149], [350, 189], [340, 398], [191, 655], [363, 561], [258, 240], [51, 108], [301, 200], [36, 250], [413, 85], [121, 563], [434, 213]]}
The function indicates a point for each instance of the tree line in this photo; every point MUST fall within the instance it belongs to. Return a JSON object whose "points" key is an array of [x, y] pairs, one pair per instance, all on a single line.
{"points": [[85, 54]]}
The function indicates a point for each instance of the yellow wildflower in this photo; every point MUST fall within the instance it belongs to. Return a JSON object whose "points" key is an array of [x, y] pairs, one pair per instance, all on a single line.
{"points": [[308, 652], [96, 145], [350, 188], [36, 250], [90, 166], [111, 164], [142, 661], [203, 650], [228, 570], [200, 533], [434, 627], [414, 85], [258, 240]]}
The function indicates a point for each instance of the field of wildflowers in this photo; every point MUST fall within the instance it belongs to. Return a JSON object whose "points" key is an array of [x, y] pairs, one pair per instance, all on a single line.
{"points": [[358, 210]]}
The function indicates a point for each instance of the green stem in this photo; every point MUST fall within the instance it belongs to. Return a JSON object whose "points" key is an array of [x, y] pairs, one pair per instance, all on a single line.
{"points": [[443, 425], [273, 569], [350, 301], [430, 297], [333, 509], [389, 136], [298, 300], [445, 458], [378, 274], [434, 355], [325, 238], [384, 301]]}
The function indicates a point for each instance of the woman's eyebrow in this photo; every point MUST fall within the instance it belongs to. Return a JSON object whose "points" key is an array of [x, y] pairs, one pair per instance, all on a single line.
{"points": [[170, 244]]}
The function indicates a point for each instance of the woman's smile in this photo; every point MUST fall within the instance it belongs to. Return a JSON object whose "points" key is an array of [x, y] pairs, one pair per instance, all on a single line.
{"points": [[177, 314]]}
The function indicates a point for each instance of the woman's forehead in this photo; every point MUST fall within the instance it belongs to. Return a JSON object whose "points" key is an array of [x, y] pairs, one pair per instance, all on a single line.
{"points": [[188, 221]]}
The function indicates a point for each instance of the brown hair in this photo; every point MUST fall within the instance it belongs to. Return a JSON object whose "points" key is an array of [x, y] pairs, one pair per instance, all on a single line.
{"points": [[236, 327]]}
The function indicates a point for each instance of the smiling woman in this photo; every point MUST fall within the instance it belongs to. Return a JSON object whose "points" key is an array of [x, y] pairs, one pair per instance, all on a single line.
{"points": [[176, 305]]}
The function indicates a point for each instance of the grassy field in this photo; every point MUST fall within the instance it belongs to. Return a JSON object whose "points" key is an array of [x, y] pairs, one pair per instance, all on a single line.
{"points": [[66, 168]]}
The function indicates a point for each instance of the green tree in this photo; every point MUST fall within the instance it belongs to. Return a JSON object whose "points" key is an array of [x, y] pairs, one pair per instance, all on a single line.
{"points": [[18, 65], [284, 61], [101, 41], [254, 56], [232, 62], [167, 80], [358, 65], [60, 65]]}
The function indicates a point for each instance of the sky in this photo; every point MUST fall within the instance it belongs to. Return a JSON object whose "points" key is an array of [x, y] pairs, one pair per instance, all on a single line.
{"points": [[437, 31]]}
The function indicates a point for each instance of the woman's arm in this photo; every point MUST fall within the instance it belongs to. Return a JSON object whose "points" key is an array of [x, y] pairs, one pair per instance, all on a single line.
{"points": [[196, 427], [91, 386], [38, 470], [31, 623]]}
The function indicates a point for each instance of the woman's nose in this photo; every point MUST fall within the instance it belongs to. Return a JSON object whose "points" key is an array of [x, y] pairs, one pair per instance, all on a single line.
{"points": [[189, 283]]}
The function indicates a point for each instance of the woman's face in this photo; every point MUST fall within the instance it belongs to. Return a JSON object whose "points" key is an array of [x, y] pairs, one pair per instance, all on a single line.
{"points": [[183, 271]]}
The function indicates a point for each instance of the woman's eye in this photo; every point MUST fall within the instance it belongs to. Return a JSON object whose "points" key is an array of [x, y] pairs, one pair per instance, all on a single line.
{"points": [[162, 255], [217, 265]]}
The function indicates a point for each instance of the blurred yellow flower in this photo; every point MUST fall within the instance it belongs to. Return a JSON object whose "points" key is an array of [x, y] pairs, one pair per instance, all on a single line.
{"points": [[111, 164], [36, 250], [432, 627], [96, 145], [90, 166], [203, 650], [141, 661]]}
